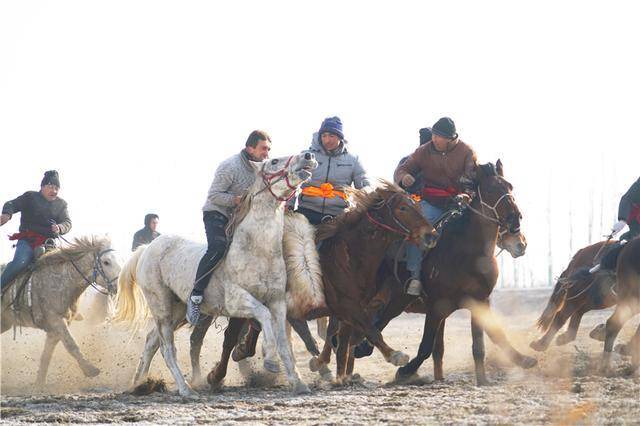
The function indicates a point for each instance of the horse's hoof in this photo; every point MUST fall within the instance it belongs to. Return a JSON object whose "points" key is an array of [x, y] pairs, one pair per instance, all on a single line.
{"points": [[364, 349], [599, 333], [325, 373], [316, 365], [404, 374], [482, 381], [271, 366], [563, 339], [188, 393], [622, 349], [301, 388], [399, 359], [528, 362], [91, 371], [537, 346]]}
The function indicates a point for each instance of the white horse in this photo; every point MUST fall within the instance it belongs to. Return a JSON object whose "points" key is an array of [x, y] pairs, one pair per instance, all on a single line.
{"points": [[249, 283], [59, 279]]}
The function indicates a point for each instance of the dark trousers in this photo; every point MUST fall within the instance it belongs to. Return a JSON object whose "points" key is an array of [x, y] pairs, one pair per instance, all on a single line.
{"points": [[315, 218], [214, 226]]}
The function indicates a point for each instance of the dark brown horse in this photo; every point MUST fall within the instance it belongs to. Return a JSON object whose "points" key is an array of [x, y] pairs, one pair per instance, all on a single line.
{"points": [[353, 246], [572, 299], [628, 289], [461, 272]]}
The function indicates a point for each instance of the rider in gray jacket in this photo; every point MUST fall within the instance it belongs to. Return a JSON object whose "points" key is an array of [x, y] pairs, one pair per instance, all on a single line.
{"points": [[322, 195]]}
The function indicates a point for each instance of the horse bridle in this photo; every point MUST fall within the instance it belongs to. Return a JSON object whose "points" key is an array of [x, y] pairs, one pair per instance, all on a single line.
{"points": [[503, 225], [404, 230], [97, 269], [270, 179]]}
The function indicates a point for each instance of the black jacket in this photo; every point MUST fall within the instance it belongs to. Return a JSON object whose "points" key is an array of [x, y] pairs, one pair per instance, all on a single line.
{"points": [[37, 212], [628, 200], [143, 236]]}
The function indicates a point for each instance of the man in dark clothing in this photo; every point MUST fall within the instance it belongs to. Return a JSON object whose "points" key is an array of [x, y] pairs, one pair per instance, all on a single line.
{"points": [[43, 215], [418, 185], [148, 233], [629, 213]]}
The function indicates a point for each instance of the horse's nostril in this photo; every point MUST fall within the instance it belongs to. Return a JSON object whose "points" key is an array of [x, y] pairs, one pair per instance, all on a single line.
{"points": [[308, 156]]}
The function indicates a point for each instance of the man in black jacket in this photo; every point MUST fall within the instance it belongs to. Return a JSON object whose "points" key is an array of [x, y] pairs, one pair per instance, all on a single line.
{"points": [[148, 233], [629, 213], [43, 215]]}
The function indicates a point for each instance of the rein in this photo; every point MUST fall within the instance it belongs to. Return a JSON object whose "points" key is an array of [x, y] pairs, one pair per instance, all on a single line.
{"points": [[502, 227], [404, 231], [270, 179], [97, 269]]}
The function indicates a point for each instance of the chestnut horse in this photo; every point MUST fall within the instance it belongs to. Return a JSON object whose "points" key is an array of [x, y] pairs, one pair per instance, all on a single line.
{"points": [[461, 272], [573, 298]]}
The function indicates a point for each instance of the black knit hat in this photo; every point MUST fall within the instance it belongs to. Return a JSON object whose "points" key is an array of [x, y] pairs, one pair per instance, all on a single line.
{"points": [[445, 127], [425, 135], [50, 178]]}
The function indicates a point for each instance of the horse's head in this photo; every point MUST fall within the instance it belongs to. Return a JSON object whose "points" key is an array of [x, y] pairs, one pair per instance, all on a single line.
{"points": [[107, 269], [282, 176], [397, 211], [498, 205]]}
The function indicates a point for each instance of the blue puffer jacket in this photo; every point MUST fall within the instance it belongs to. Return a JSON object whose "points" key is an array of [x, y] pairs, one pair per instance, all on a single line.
{"points": [[341, 169]]}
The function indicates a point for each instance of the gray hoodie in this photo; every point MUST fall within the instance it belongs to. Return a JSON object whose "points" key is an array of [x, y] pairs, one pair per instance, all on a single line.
{"points": [[233, 177], [338, 167]]}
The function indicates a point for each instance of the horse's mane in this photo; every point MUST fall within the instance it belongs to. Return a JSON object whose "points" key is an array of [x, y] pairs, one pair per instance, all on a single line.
{"points": [[362, 201], [76, 249]]}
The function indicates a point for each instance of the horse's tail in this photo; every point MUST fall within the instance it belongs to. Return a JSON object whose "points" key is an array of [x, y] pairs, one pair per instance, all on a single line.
{"points": [[130, 306], [553, 305]]}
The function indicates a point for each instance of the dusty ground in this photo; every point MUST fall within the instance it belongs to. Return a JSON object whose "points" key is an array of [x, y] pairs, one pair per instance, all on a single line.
{"points": [[561, 389]]}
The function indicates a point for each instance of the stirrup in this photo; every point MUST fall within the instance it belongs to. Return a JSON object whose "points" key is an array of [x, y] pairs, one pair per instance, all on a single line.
{"points": [[413, 287], [193, 309]]}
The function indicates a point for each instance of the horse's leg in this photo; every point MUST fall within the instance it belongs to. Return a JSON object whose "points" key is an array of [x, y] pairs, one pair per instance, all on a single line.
{"points": [[490, 324], [59, 327], [619, 317], [320, 362], [302, 329], [431, 326], [634, 347], [215, 377], [247, 341], [477, 348], [559, 319], [45, 359], [574, 324], [168, 348], [241, 304], [342, 353], [279, 319], [196, 339], [321, 325], [152, 344], [438, 353]]}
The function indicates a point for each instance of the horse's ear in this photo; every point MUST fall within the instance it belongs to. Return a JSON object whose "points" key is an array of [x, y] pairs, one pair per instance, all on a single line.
{"points": [[499, 168]]}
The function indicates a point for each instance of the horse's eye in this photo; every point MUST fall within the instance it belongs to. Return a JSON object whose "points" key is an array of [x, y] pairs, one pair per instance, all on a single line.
{"points": [[106, 262], [274, 162], [403, 208]]}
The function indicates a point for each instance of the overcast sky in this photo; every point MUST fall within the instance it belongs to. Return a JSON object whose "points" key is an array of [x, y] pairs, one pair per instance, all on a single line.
{"points": [[135, 103]]}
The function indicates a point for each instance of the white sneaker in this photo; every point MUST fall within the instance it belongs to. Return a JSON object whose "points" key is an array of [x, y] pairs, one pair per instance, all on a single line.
{"points": [[414, 288]]}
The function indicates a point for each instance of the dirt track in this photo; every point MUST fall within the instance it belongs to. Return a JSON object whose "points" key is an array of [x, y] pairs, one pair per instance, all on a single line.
{"points": [[561, 389]]}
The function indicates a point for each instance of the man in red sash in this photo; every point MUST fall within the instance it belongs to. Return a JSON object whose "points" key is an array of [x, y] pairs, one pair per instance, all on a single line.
{"points": [[43, 215], [447, 166]]}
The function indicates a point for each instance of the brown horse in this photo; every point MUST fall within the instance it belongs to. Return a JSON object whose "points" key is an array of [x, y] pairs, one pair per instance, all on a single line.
{"points": [[573, 298], [353, 246], [461, 272], [628, 279]]}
